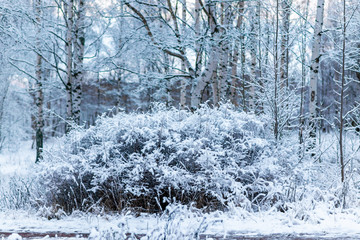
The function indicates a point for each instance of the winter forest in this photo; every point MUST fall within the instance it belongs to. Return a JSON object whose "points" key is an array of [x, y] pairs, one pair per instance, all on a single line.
{"points": [[204, 110]]}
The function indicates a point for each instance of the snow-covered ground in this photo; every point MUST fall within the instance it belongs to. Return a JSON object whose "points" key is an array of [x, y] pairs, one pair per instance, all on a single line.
{"points": [[345, 224], [18, 161], [178, 222]]}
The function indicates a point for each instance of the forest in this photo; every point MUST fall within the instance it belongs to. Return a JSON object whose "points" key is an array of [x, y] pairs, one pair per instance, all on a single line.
{"points": [[214, 105]]}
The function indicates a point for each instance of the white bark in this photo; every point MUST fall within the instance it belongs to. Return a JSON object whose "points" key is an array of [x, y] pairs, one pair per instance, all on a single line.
{"points": [[235, 57], [39, 99], [284, 62], [205, 78], [253, 53], [314, 69], [78, 72], [183, 67], [208, 74], [69, 63], [223, 75], [198, 64]]}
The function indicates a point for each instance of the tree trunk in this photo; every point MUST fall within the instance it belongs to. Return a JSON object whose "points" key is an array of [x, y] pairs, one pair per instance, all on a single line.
{"points": [[253, 56], [260, 104], [205, 78], [276, 65], [212, 62], [235, 58], [314, 72], [341, 117], [223, 80], [242, 67], [183, 67], [284, 62], [2, 102], [79, 47], [69, 64], [198, 44], [39, 89], [303, 71]]}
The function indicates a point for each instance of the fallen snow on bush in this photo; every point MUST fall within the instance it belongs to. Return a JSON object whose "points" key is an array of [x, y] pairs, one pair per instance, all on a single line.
{"points": [[211, 157]]}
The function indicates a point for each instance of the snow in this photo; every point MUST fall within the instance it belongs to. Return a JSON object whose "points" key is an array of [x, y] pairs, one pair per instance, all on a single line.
{"points": [[14, 236], [313, 213], [16, 162], [341, 224]]}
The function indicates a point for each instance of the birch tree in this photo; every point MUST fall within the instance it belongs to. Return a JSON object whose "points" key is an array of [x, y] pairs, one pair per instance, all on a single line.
{"points": [[74, 48], [284, 61], [314, 71], [183, 67], [39, 99], [235, 56], [69, 16], [79, 51], [254, 25]]}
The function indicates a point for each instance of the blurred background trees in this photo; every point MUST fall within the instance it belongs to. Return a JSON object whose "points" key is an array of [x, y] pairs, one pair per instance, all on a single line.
{"points": [[65, 62]]}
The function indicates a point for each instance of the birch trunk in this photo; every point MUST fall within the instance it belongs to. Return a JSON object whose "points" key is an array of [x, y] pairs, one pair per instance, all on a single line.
{"points": [[198, 45], [79, 46], [212, 63], [284, 60], [69, 64], [183, 66], [314, 71], [205, 78], [223, 80], [39, 137], [253, 55], [233, 63]]}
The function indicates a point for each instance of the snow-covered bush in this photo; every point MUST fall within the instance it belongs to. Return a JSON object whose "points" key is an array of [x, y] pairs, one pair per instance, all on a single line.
{"points": [[209, 157], [19, 193]]}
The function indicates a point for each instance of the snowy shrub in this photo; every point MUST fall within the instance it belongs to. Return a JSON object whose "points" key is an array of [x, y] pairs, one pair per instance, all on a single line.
{"points": [[17, 193], [210, 157]]}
